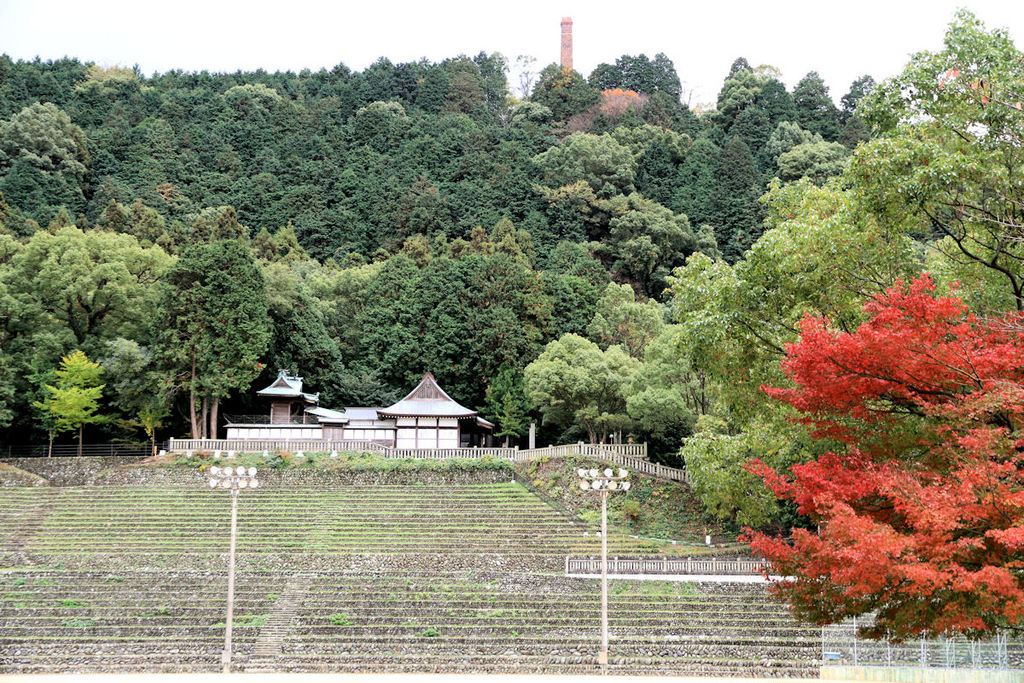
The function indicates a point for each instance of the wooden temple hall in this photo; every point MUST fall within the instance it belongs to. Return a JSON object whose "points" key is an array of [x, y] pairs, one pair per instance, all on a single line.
{"points": [[427, 418]]}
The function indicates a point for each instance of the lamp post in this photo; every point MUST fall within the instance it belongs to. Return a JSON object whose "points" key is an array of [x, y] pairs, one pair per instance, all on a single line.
{"points": [[603, 482], [234, 478]]}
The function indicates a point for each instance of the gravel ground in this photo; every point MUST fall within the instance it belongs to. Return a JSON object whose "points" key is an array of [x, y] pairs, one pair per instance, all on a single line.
{"points": [[374, 678]]}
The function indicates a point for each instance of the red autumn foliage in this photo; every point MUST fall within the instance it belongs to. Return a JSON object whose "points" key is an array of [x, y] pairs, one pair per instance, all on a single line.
{"points": [[920, 510]]}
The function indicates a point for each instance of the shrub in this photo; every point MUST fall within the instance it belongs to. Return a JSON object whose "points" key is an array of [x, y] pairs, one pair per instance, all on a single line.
{"points": [[245, 620], [77, 623], [631, 508], [341, 619]]}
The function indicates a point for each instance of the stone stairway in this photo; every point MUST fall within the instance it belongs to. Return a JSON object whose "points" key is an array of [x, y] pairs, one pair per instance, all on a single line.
{"points": [[267, 648], [30, 524]]}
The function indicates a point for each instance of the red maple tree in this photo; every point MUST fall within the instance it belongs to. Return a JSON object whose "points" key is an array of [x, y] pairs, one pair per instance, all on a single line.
{"points": [[920, 510]]}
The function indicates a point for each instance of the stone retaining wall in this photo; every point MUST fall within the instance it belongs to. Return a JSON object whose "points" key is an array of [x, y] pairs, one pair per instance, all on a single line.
{"points": [[84, 471], [125, 471]]}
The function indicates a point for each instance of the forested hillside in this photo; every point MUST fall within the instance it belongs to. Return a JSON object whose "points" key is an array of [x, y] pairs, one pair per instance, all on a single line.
{"points": [[192, 233]]}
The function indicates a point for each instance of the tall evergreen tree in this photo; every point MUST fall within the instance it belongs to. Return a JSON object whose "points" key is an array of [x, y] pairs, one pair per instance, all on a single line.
{"points": [[854, 131], [697, 184], [754, 127], [737, 213], [215, 326], [858, 89], [776, 102], [815, 110]]}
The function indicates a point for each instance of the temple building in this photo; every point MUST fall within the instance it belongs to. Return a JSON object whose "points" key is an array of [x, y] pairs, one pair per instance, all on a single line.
{"points": [[427, 418]]}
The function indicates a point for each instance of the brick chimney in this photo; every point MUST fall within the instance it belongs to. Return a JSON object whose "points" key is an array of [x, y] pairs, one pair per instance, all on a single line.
{"points": [[567, 43]]}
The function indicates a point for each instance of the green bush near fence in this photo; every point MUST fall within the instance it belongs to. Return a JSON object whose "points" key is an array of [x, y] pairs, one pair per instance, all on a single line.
{"points": [[653, 508], [356, 461]]}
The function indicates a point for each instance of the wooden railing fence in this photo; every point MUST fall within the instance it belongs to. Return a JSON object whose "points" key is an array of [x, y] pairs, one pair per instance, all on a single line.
{"points": [[632, 456], [223, 446]]}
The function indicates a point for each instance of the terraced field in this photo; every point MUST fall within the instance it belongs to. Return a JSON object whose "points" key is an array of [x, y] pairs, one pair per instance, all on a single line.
{"points": [[353, 578], [71, 621], [82, 526], [58, 620], [532, 623]]}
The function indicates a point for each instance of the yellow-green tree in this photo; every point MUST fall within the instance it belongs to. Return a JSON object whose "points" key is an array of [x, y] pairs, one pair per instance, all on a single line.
{"points": [[73, 400]]}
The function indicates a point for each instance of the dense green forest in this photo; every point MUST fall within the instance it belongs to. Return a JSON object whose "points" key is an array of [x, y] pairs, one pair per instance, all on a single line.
{"points": [[595, 256]]}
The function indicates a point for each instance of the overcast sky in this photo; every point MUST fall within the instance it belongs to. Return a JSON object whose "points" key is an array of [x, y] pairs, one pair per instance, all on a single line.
{"points": [[840, 40]]}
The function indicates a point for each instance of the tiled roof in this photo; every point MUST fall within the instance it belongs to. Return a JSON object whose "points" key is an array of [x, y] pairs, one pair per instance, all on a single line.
{"points": [[428, 399], [286, 386], [328, 415]]}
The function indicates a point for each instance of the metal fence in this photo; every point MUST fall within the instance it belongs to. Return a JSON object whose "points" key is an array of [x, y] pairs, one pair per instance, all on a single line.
{"points": [[841, 647], [712, 566], [71, 450], [264, 419]]}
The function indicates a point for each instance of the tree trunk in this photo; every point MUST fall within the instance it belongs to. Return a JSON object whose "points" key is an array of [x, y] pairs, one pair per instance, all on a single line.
{"points": [[214, 405], [80, 440], [49, 451], [204, 417], [192, 401]]}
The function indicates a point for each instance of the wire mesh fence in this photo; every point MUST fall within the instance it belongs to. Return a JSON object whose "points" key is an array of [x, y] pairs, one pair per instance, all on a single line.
{"points": [[841, 647]]}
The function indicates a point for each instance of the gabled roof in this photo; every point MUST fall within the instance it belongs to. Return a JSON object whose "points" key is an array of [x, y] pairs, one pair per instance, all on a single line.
{"points": [[428, 399], [327, 415], [361, 413], [286, 386]]}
